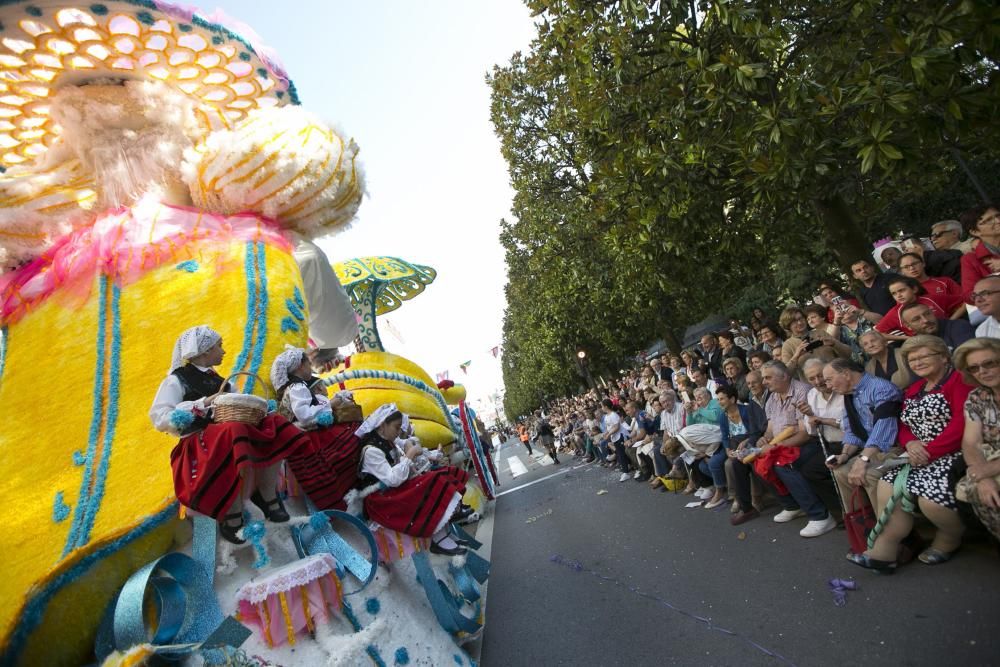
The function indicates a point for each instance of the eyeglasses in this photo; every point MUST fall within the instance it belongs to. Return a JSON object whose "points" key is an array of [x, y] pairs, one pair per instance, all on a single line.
{"points": [[912, 265], [922, 360], [976, 369], [937, 235], [977, 296]]}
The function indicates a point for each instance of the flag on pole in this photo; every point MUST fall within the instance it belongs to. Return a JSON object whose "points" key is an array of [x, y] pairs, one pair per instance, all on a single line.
{"points": [[495, 351], [441, 377], [465, 366]]}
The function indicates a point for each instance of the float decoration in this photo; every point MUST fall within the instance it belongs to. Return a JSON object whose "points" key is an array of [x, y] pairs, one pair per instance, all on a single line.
{"points": [[380, 285]]}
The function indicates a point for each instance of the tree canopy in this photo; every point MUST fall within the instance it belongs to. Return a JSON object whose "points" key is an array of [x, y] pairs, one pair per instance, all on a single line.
{"points": [[673, 159]]}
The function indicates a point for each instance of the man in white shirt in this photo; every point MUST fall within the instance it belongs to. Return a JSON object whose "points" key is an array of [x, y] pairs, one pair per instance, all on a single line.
{"points": [[986, 297], [821, 415]]}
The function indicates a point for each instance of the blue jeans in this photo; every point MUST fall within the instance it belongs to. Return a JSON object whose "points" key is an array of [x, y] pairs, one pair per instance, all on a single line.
{"points": [[797, 484], [661, 465], [715, 466]]}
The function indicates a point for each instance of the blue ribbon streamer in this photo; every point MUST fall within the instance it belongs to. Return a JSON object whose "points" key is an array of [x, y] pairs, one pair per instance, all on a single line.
{"points": [[459, 534], [318, 536], [446, 608]]}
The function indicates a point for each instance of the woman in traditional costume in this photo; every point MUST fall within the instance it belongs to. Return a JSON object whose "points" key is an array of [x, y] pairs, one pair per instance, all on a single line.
{"points": [[421, 504], [329, 470], [212, 461]]}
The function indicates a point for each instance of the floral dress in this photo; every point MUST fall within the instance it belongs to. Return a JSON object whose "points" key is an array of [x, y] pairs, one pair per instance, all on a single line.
{"points": [[928, 414], [982, 407]]}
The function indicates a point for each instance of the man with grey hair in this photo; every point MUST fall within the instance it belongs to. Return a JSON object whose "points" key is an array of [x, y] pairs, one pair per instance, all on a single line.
{"points": [[986, 297], [947, 235], [786, 467]]}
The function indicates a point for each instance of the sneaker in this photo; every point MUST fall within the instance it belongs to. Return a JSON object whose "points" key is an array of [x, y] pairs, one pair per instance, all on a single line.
{"points": [[784, 516], [817, 528], [624, 477], [637, 475], [704, 493], [712, 504], [609, 458], [743, 517]]}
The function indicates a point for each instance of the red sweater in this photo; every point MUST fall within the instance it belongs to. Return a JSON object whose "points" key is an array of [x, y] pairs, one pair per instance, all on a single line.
{"points": [[949, 440], [890, 321], [974, 270]]}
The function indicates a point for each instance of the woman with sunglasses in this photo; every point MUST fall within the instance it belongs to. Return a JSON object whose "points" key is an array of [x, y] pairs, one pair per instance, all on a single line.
{"points": [[931, 425], [979, 360]]}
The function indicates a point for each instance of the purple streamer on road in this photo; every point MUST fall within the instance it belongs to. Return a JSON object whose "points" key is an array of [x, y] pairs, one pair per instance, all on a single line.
{"points": [[577, 566], [839, 588]]}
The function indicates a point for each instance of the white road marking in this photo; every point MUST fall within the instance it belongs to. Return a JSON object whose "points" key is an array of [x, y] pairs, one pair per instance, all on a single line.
{"points": [[517, 467], [535, 481]]}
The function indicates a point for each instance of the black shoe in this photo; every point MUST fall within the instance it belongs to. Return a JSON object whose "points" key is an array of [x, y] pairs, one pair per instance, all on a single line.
{"points": [[228, 531], [445, 551], [273, 510], [880, 566], [462, 512]]}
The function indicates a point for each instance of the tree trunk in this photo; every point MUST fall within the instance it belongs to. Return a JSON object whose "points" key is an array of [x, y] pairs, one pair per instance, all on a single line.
{"points": [[846, 237]]}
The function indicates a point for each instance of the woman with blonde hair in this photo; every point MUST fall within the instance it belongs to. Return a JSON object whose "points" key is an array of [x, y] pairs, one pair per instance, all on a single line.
{"points": [[931, 425], [979, 360]]}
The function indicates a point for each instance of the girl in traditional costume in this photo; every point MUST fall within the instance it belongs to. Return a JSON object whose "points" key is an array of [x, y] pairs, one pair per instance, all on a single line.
{"points": [[421, 504], [212, 461], [329, 470]]}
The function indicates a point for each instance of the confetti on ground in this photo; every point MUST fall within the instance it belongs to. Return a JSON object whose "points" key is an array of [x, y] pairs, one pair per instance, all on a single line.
{"points": [[536, 518], [742, 535], [696, 503], [602, 492], [839, 588]]}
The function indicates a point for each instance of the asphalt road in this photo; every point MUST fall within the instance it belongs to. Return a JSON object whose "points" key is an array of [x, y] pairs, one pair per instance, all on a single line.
{"points": [[640, 580]]}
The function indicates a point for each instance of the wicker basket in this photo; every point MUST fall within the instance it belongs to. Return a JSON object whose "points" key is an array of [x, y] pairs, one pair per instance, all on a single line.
{"points": [[350, 412], [242, 408]]}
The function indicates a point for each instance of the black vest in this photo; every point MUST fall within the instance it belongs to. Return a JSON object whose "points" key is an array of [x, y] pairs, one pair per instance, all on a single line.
{"points": [[373, 439], [292, 379], [198, 384]]}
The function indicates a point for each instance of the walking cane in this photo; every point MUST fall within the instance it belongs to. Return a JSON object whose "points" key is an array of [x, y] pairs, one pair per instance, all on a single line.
{"points": [[826, 455]]}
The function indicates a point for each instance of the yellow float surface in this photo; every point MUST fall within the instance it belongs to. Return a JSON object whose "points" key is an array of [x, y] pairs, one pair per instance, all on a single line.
{"points": [[416, 404], [454, 395], [84, 474], [432, 434]]}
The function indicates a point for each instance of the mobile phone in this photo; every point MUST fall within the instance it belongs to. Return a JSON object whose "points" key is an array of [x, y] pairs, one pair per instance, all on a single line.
{"points": [[831, 458], [813, 344]]}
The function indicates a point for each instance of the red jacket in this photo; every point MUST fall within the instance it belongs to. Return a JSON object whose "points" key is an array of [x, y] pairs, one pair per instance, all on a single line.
{"points": [[949, 440], [974, 270]]}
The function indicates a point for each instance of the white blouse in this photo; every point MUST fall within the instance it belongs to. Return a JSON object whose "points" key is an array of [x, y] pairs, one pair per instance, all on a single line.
{"points": [[170, 397], [375, 463], [300, 400]]}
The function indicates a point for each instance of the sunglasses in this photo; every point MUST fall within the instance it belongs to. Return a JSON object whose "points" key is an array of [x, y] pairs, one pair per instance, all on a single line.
{"points": [[976, 369], [937, 235]]}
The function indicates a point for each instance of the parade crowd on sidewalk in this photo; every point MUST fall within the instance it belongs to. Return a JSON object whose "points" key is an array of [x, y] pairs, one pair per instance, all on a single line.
{"points": [[880, 411]]}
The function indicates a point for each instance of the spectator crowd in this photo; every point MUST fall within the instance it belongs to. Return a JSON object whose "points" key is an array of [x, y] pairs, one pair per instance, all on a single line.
{"points": [[880, 407]]}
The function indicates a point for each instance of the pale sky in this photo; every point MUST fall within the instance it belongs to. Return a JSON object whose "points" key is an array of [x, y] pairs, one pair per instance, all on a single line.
{"points": [[406, 80]]}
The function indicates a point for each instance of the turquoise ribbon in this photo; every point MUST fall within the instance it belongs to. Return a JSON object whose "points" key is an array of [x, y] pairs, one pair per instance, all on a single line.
{"points": [[318, 536], [188, 616], [459, 534], [446, 607]]}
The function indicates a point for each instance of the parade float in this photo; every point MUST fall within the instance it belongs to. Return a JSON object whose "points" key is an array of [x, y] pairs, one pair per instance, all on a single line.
{"points": [[160, 173]]}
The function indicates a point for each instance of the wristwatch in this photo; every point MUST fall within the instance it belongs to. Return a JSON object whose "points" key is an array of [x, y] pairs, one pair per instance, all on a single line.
{"points": [[865, 458]]}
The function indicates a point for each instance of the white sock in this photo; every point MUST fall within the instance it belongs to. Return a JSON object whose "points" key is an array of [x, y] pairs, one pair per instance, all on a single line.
{"points": [[447, 543]]}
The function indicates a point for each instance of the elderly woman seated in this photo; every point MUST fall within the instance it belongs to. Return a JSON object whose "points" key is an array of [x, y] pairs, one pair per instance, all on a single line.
{"points": [[736, 376], [885, 361], [695, 445], [931, 425], [979, 360]]}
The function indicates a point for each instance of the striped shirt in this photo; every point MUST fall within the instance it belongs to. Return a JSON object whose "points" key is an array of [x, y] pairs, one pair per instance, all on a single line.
{"points": [[870, 393]]}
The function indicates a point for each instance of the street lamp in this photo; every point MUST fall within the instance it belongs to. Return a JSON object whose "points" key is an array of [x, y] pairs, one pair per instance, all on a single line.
{"points": [[581, 360], [581, 355]]}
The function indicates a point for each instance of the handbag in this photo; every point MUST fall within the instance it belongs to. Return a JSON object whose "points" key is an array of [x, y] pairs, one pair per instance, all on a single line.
{"points": [[859, 519]]}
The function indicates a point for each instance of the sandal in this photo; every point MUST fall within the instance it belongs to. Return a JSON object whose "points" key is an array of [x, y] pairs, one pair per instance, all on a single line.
{"points": [[228, 531], [867, 562], [932, 556], [274, 510]]}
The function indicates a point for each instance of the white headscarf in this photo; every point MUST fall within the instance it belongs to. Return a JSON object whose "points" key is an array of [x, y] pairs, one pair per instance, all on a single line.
{"points": [[375, 419], [285, 363], [196, 340], [405, 428]]}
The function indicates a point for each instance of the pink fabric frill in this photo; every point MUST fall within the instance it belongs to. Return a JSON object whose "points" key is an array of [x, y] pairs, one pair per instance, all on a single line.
{"points": [[393, 545], [311, 596], [124, 245]]}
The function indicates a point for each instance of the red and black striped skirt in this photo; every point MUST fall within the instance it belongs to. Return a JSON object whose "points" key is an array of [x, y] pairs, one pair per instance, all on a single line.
{"points": [[417, 506], [207, 464], [329, 469]]}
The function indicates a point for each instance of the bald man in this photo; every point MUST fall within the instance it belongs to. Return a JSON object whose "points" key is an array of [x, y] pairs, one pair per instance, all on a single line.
{"points": [[986, 297]]}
